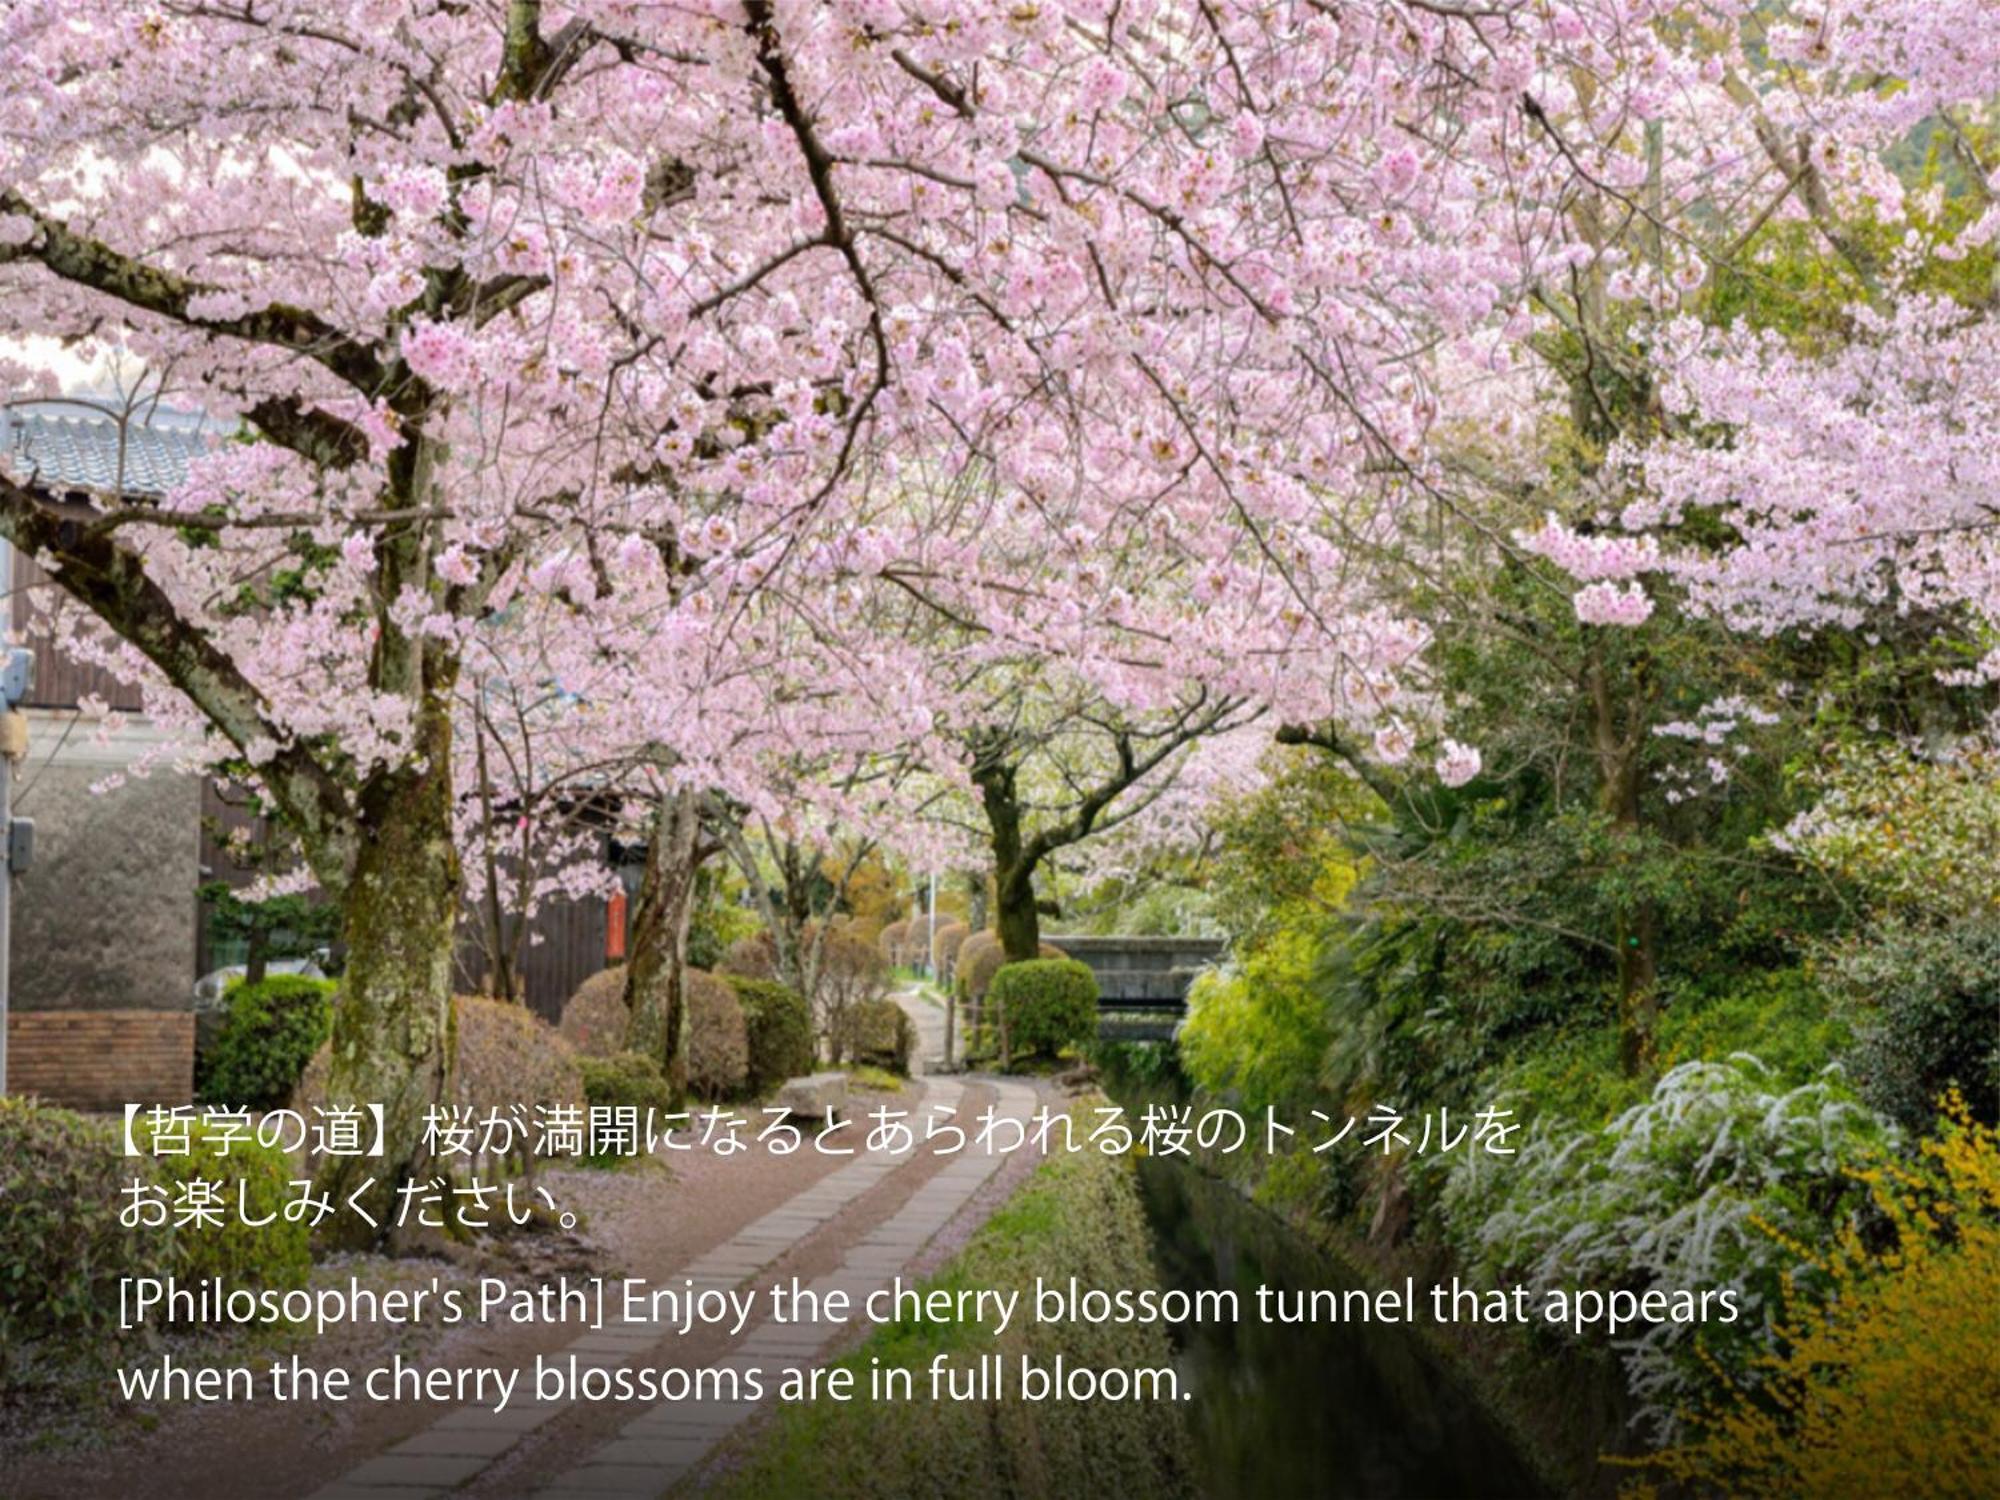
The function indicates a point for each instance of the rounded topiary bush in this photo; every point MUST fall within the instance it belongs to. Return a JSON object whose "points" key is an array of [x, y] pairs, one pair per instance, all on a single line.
{"points": [[507, 1056], [625, 1080], [944, 949], [1043, 1007], [718, 1036], [878, 1034], [594, 1022], [268, 1034], [752, 957], [254, 1184], [779, 1023], [62, 1249], [892, 942], [980, 958], [977, 961]]}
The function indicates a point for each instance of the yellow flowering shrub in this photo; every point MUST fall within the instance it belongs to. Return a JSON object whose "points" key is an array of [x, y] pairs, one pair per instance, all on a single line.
{"points": [[1893, 1385]]}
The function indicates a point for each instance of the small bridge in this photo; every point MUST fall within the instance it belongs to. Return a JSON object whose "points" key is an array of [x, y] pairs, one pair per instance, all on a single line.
{"points": [[1143, 981]]}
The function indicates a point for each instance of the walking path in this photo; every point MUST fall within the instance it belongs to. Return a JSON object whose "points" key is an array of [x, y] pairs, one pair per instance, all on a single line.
{"points": [[655, 1449]]}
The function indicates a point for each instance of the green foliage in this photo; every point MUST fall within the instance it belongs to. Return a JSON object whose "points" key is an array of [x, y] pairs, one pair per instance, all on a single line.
{"points": [[1077, 1216], [878, 1033], [1043, 1007], [62, 1248], [285, 926], [1258, 1035], [625, 1080], [1925, 1006], [780, 1030], [1716, 1179], [269, 1033], [252, 1182], [718, 919], [1781, 1015]]}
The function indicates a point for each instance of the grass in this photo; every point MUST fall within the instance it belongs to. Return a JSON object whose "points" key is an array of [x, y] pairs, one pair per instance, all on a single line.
{"points": [[1077, 1216], [876, 1080]]}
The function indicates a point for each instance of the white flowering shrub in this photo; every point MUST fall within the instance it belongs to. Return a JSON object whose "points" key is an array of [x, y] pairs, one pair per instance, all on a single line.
{"points": [[1717, 1180]]}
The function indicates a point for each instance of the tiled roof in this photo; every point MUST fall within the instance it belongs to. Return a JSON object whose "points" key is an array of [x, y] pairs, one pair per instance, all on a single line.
{"points": [[81, 444]]}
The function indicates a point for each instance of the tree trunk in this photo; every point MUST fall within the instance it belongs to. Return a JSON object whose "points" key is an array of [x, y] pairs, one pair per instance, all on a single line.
{"points": [[656, 970], [256, 961], [1636, 932], [394, 1039], [1015, 917]]}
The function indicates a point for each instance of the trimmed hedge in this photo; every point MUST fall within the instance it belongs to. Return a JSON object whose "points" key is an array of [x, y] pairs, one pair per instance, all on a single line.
{"points": [[751, 957], [268, 1034], [1043, 1006], [979, 959], [625, 1080], [507, 1055], [878, 1034], [594, 1022], [892, 941], [944, 949], [780, 1029], [718, 1037], [63, 1249], [255, 1183]]}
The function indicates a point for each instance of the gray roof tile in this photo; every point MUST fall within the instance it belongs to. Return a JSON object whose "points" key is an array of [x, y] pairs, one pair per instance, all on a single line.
{"points": [[82, 445]]}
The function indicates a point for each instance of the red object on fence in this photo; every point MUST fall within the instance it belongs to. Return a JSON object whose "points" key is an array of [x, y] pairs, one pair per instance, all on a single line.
{"points": [[614, 928]]}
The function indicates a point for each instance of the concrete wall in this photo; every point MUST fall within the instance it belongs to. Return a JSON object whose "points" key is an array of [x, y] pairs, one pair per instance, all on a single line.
{"points": [[106, 918]]}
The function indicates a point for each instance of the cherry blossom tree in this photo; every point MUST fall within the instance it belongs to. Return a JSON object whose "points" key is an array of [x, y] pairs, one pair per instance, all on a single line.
{"points": [[1136, 339]]}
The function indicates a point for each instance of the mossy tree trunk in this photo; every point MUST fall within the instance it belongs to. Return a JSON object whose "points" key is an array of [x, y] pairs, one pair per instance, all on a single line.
{"points": [[656, 969], [393, 1041], [1016, 919]]}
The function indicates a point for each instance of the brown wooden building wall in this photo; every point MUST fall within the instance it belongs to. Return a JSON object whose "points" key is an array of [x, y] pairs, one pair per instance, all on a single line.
{"points": [[59, 681]]}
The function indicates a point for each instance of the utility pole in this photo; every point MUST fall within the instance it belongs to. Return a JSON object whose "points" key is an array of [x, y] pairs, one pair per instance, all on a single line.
{"points": [[17, 835]]}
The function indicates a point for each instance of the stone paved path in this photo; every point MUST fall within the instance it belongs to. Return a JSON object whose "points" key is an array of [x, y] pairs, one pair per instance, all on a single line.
{"points": [[655, 1449]]}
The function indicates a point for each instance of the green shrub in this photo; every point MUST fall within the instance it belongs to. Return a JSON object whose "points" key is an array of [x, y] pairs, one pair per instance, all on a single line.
{"points": [[1925, 1006], [254, 1183], [62, 1248], [594, 1022], [979, 959], [625, 1080], [718, 1037], [269, 1033], [1780, 1015], [878, 1033], [780, 1029], [1719, 1179], [1043, 1006], [1260, 1034]]}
